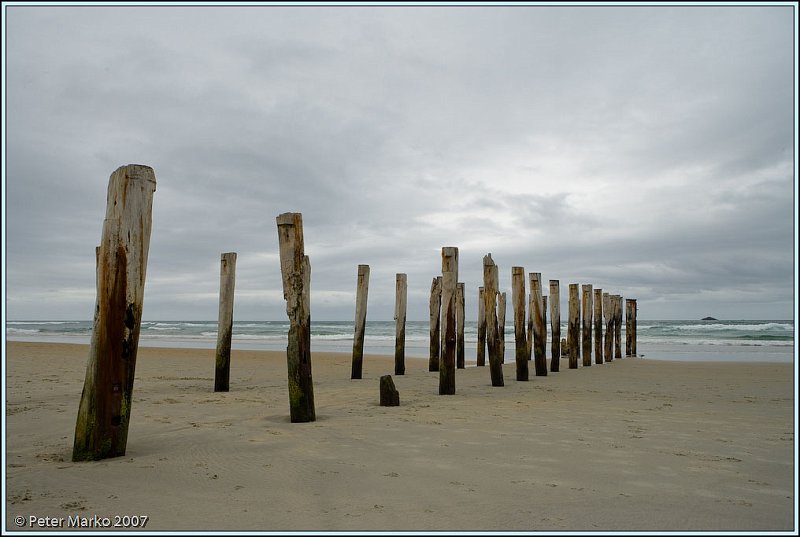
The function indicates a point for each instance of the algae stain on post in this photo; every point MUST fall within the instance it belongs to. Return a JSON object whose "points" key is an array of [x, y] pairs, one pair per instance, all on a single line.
{"points": [[227, 281], [296, 278], [101, 429]]}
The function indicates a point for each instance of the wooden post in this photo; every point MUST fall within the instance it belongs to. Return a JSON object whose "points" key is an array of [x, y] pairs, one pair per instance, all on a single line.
{"points": [[101, 428], [574, 326], [555, 327], [481, 357], [518, 297], [401, 299], [490, 285], [544, 322], [447, 367], [598, 326], [537, 312], [460, 318], [617, 326], [389, 394], [635, 309], [501, 324], [227, 280], [296, 275], [586, 337], [608, 343], [531, 309], [435, 317], [362, 290], [628, 327]]}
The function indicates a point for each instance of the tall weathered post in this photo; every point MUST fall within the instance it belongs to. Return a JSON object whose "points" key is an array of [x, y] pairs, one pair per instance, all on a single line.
{"points": [[628, 327], [555, 327], [634, 326], [460, 318], [101, 428], [617, 326], [598, 326], [435, 318], [574, 326], [296, 276], [401, 299], [518, 297], [587, 324], [608, 342], [490, 285], [362, 289], [227, 281], [481, 356], [501, 324], [447, 367], [537, 316]]}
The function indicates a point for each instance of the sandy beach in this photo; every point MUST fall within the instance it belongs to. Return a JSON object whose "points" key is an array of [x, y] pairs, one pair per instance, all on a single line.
{"points": [[630, 445]]}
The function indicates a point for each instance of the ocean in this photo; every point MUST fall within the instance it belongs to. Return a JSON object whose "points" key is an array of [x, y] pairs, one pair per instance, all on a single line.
{"points": [[768, 341]]}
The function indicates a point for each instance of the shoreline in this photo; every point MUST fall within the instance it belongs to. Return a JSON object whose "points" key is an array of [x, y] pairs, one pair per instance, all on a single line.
{"points": [[634, 444]]}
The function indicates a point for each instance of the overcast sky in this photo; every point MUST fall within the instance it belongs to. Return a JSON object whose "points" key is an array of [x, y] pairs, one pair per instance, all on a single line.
{"points": [[645, 150]]}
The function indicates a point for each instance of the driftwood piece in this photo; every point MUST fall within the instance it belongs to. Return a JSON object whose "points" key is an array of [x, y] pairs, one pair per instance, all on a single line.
{"points": [[518, 297], [227, 282], [362, 290], [296, 275], [389, 394], [101, 428], [447, 367], [400, 302]]}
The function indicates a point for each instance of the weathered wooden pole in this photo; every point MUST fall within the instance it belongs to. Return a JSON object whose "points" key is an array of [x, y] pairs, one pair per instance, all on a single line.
{"points": [[362, 289], [586, 337], [537, 315], [101, 428], [555, 327], [227, 280], [617, 326], [447, 367], [635, 309], [481, 356], [628, 327], [529, 331], [598, 326], [544, 322], [518, 297], [460, 318], [490, 285], [435, 317], [401, 299], [296, 275], [501, 324], [608, 342], [574, 326]]}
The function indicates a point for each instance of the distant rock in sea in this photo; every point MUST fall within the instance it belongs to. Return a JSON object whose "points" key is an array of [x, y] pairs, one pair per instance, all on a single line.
{"points": [[709, 319]]}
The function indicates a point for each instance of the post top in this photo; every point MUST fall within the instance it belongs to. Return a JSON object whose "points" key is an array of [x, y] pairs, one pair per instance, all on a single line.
{"points": [[288, 219]]}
